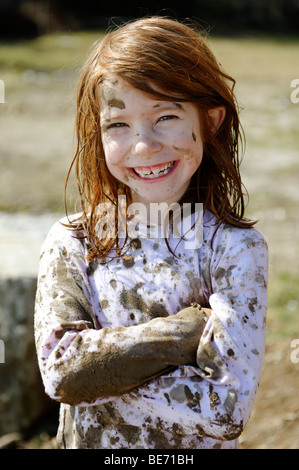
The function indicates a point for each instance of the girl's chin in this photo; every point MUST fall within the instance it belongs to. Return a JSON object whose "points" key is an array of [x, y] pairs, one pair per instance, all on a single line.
{"points": [[152, 197]]}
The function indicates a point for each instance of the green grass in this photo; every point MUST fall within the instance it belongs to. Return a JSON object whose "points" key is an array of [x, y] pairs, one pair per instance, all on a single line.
{"points": [[283, 306], [47, 53], [251, 58]]}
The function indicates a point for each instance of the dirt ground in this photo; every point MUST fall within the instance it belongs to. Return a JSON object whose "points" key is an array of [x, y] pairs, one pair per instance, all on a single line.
{"points": [[274, 422]]}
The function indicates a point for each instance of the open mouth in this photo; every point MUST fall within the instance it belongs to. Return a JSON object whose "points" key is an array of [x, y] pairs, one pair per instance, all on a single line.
{"points": [[155, 171]]}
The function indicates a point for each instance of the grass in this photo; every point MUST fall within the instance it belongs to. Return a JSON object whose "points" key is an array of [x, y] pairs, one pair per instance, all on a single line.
{"points": [[48, 53], [37, 121], [283, 308], [269, 59]]}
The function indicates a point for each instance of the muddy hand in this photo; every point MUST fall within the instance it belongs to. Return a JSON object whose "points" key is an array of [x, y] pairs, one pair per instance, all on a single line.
{"points": [[185, 328]]}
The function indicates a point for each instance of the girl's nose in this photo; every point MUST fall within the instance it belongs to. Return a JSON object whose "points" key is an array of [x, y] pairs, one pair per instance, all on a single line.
{"points": [[145, 145]]}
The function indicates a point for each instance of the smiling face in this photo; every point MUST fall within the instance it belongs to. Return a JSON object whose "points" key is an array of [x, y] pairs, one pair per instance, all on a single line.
{"points": [[152, 146]]}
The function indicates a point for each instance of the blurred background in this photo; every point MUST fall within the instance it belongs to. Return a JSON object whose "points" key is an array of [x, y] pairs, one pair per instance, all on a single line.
{"points": [[43, 44]]}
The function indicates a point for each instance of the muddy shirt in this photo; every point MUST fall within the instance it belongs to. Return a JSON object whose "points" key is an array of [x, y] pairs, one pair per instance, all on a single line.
{"points": [[131, 372]]}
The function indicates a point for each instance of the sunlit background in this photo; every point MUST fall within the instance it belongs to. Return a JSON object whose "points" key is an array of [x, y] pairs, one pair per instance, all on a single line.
{"points": [[43, 44]]}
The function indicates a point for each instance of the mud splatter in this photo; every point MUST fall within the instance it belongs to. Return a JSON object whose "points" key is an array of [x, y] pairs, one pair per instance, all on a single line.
{"points": [[252, 303], [104, 304], [116, 104], [109, 95], [135, 244], [129, 432], [128, 262], [214, 398], [131, 300], [181, 151]]}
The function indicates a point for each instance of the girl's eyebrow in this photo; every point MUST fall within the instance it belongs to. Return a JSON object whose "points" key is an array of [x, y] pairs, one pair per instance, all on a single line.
{"points": [[169, 105], [178, 105]]}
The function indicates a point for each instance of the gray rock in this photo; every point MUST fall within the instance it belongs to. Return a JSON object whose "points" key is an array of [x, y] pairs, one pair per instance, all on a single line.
{"points": [[22, 396]]}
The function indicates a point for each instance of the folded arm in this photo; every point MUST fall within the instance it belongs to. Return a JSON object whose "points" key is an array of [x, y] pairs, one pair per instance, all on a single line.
{"points": [[83, 363]]}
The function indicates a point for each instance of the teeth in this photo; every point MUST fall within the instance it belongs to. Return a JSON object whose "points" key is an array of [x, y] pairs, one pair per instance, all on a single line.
{"points": [[163, 170]]}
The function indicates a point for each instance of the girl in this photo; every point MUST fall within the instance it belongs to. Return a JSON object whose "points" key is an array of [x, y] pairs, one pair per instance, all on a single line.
{"points": [[146, 339]]}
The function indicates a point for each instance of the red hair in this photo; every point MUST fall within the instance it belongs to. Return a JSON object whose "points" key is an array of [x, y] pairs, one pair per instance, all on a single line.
{"points": [[175, 58]]}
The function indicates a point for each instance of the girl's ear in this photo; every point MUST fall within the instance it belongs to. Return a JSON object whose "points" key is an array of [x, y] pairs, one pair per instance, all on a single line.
{"points": [[216, 116]]}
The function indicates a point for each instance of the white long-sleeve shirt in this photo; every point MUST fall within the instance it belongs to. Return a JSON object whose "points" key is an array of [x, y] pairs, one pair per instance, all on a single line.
{"points": [[92, 319]]}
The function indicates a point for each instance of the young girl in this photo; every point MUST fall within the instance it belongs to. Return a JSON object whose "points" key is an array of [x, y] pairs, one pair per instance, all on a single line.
{"points": [[149, 340]]}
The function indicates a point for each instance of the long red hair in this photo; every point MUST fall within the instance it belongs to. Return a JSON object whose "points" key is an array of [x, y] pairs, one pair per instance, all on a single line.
{"points": [[173, 57]]}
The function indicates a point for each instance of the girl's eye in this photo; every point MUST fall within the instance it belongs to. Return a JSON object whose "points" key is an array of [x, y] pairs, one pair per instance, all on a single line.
{"points": [[116, 124], [167, 118], [109, 127]]}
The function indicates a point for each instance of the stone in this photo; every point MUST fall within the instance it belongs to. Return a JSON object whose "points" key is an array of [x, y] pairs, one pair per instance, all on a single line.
{"points": [[22, 396]]}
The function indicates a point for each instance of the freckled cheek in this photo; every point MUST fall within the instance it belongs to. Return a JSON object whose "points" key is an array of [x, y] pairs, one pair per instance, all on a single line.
{"points": [[188, 140], [113, 153], [193, 159]]}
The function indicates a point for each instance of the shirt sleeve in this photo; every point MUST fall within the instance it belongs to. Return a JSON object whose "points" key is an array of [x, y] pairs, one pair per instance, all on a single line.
{"points": [[217, 396], [231, 351], [82, 363]]}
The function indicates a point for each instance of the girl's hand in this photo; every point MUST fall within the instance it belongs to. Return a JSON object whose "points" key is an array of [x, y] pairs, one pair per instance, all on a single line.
{"points": [[208, 311], [185, 329]]}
